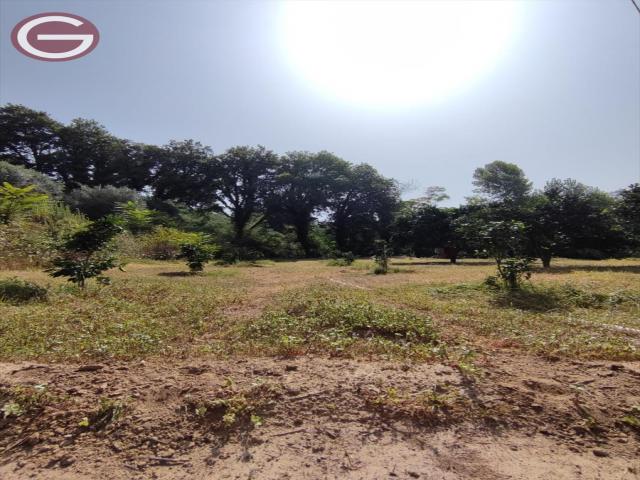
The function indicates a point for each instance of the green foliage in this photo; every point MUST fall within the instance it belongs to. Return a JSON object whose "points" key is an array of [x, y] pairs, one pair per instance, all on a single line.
{"points": [[15, 201], [342, 259], [135, 219], [164, 242], [15, 290], [85, 255], [502, 181], [381, 258], [97, 202], [323, 319], [506, 242], [197, 255], [21, 177]]}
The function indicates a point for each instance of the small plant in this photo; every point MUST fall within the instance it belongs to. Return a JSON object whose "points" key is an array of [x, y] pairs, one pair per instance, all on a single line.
{"points": [[14, 290], [506, 242], [197, 255], [108, 412], [342, 260], [20, 400], [381, 258], [85, 254]]}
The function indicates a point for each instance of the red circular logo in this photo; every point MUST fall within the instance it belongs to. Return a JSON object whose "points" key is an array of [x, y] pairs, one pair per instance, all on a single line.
{"points": [[55, 37]]}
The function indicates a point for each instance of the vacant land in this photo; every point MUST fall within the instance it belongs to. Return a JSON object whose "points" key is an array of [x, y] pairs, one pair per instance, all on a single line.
{"points": [[305, 370]]}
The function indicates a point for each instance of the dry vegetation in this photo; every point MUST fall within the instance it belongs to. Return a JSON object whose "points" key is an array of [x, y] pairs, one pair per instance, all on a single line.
{"points": [[306, 370]]}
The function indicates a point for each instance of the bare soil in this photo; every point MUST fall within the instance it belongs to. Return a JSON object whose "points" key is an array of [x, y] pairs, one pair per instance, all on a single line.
{"points": [[521, 417]]}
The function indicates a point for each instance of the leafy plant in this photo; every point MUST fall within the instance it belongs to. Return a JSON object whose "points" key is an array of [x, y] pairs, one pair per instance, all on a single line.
{"points": [[85, 254], [18, 200], [506, 242], [15, 290], [381, 258], [197, 255]]}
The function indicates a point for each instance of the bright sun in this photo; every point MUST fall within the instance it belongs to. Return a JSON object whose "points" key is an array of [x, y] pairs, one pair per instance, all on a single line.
{"points": [[395, 53]]}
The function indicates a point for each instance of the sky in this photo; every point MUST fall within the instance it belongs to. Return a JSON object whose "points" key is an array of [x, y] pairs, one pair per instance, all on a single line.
{"points": [[556, 90]]}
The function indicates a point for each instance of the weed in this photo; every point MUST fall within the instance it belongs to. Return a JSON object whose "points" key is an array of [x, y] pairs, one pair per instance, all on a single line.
{"points": [[108, 412], [16, 291], [20, 400], [339, 322]]}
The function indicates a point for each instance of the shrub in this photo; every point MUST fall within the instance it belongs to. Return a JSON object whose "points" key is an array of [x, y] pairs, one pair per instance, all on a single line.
{"points": [[381, 258], [164, 242], [197, 255], [97, 202], [15, 201], [14, 290], [21, 177], [85, 254], [342, 260]]}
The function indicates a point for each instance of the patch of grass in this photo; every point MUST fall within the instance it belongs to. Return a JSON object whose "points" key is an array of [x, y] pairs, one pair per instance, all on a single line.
{"points": [[16, 291], [132, 318], [339, 322], [548, 319]]}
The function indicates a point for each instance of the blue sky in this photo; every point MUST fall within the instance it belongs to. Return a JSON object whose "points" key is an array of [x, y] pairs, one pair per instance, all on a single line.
{"points": [[563, 100]]}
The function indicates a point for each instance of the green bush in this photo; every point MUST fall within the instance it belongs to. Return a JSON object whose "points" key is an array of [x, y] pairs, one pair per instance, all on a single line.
{"points": [[86, 254], [14, 290], [164, 242], [197, 255]]}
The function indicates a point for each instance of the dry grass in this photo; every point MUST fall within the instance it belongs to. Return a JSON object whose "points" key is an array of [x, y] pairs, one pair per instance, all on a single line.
{"points": [[155, 309]]}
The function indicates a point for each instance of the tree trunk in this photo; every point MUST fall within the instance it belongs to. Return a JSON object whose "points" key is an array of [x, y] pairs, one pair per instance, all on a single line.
{"points": [[301, 225], [546, 260]]}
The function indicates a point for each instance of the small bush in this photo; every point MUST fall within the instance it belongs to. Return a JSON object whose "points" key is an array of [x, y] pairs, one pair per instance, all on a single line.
{"points": [[342, 260], [197, 255], [14, 290], [382, 258], [164, 242]]}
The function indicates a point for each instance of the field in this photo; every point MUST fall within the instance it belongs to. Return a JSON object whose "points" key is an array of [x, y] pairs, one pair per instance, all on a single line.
{"points": [[306, 370]]}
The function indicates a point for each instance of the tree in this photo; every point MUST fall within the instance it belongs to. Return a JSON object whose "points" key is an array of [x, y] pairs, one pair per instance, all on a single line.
{"points": [[421, 228], [85, 254], [583, 218], [20, 176], [432, 196], [304, 185], [502, 181], [183, 173], [628, 213], [97, 202], [18, 200], [90, 155], [363, 209], [241, 179], [28, 137], [506, 243]]}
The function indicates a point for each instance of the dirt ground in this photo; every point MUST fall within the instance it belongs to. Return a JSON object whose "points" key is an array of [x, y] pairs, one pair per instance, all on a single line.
{"points": [[324, 418], [516, 416]]}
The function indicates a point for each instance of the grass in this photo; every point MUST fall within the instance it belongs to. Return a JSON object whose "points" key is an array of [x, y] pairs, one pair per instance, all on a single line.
{"points": [[550, 319], [294, 308], [327, 319]]}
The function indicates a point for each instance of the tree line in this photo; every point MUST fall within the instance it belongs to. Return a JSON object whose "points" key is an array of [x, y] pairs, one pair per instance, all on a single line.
{"points": [[326, 204]]}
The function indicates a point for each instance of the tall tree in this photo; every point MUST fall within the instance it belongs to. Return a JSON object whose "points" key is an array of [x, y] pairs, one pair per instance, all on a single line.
{"points": [[304, 185], [181, 173], [628, 213], [502, 182], [364, 209], [240, 181], [28, 137]]}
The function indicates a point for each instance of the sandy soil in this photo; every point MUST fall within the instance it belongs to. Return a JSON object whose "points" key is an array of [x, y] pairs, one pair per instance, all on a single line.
{"points": [[520, 418]]}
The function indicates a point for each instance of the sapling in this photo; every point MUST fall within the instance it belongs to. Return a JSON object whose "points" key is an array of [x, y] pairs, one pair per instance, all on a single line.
{"points": [[85, 255]]}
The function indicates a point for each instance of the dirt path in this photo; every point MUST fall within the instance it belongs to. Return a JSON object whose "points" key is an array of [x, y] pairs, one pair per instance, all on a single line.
{"points": [[522, 418]]}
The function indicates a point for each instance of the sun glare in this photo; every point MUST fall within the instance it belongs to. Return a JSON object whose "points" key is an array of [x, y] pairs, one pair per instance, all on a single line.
{"points": [[395, 53]]}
